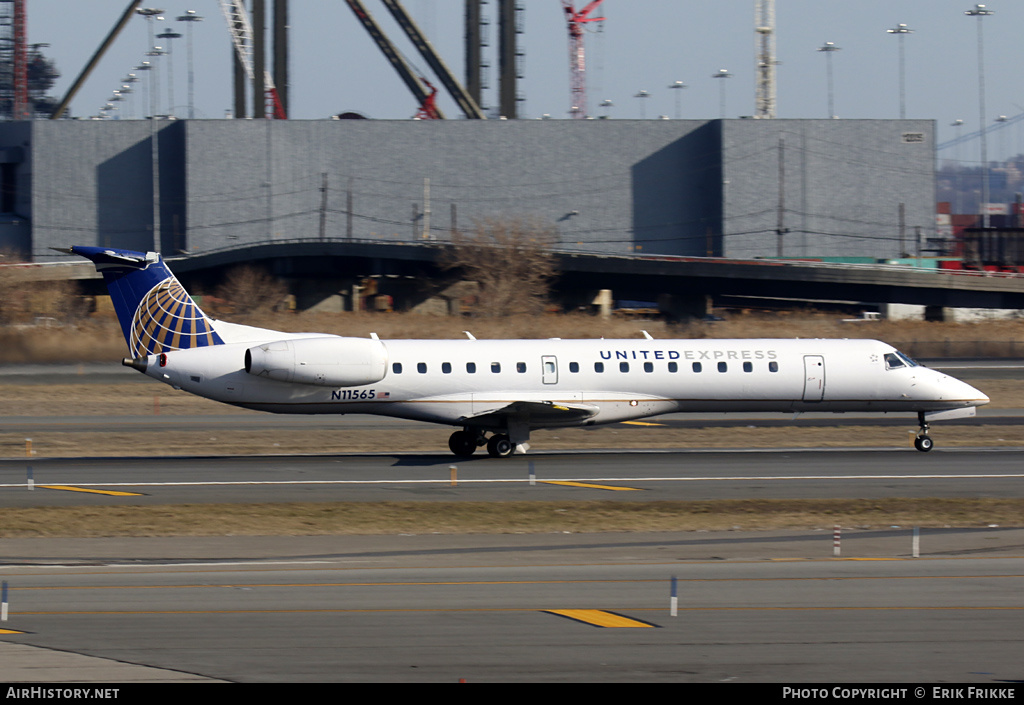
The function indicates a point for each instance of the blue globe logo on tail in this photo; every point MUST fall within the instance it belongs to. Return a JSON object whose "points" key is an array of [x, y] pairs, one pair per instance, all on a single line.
{"points": [[156, 313], [168, 319]]}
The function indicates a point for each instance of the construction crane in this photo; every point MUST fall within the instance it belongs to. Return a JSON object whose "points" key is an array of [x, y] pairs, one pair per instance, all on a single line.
{"points": [[466, 103], [764, 33], [577, 56], [14, 51], [427, 96], [242, 37]]}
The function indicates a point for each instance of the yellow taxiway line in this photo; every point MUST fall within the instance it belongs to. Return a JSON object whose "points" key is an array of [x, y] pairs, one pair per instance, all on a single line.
{"points": [[70, 488], [602, 618]]}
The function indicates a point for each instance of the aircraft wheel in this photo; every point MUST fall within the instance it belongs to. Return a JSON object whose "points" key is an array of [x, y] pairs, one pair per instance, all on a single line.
{"points": [[500, 446], [462, 443], [924, 443]]}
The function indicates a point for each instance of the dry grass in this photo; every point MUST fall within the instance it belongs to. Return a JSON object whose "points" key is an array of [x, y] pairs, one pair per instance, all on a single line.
{"points": [[389, 518], [99, 337]]}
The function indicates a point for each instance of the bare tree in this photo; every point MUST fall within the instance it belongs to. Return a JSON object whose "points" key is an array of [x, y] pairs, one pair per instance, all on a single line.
{"points": [[510, 260], [250, 289]]}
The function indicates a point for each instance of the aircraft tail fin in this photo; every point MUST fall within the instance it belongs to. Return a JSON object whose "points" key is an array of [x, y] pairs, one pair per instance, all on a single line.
{"points": [[156, 313]]}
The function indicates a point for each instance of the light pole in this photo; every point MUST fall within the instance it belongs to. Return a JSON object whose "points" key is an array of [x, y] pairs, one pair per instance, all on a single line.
{"points": [[170, 35], [643, 95], [150, 13], [189, 18], [829, 48], [154, 76], [127, 87], [981, 12], [900, 31], [722, 74], [678, 87], [148, 103]]}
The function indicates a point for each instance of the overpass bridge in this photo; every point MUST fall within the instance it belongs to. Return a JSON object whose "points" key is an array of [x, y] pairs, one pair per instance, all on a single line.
{"points": [[687, 280]]}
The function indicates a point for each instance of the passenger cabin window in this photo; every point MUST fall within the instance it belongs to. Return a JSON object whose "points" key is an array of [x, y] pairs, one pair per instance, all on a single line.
{"points": [[748, 366], [773, 366], [574, 367], [471, 368], [723, 367], [697, 367], [446, 368], [673, 367], [421, 367], [598, 367], [396, 368], [520, 367], [495, 367], [648, 367], [623, 367]]}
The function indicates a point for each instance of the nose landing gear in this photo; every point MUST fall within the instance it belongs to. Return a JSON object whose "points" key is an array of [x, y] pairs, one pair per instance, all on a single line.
{"points": [[923, 442]]}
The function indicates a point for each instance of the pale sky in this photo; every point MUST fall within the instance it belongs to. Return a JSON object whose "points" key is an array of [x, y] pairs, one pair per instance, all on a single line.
{"points": [[643, 45]]}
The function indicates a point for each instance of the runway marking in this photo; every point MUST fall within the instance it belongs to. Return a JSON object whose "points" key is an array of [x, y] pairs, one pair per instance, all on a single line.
{"points": [[11, 631], [514, 480], [566, 483], [602, 618], [642, 423], [469, 610], [70, 488]]}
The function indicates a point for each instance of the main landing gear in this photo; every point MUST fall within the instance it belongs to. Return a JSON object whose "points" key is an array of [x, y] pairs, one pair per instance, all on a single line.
{"points": [[464, 443], [923, 442]]}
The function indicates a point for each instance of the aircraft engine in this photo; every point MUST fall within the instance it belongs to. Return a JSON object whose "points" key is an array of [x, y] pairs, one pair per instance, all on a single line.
{"points": [[326, 362]]}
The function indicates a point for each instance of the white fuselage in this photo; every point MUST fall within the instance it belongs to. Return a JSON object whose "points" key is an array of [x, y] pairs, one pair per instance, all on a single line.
{"points": [[455, 381]]}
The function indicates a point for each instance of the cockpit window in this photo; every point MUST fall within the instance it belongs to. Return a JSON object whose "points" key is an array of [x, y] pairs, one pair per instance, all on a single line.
{"points": [[893, 361], [896, 360], [906, 359]]}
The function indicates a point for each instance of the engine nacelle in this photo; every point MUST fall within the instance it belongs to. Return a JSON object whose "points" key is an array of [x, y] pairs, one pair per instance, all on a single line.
{"points": [[326, 362]]}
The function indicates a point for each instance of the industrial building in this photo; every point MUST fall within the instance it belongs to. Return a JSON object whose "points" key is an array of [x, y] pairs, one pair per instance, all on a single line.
{"points": [[741, 188]]}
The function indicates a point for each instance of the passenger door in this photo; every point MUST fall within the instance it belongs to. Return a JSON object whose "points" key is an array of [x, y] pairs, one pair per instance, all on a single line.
{"points": [[814, 377], [549, 369]]}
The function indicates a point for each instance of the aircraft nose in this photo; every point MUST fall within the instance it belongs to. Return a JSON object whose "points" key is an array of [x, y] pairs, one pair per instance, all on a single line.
{"points": [[955, 389]]}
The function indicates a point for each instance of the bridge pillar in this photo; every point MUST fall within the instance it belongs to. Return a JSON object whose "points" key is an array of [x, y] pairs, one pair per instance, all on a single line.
{"points": [[604, 303]]}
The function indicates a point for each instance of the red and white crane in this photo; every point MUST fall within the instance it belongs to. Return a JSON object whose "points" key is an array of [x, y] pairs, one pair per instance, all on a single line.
{"points": [[577, 56]]}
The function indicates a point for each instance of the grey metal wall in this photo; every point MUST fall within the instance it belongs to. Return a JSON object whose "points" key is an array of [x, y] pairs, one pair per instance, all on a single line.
{"points": [[617, 186], [92, 184], [842, 185], [604, 185]]}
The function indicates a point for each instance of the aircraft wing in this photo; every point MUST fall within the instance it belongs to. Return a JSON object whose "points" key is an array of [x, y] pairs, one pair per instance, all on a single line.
{"points": [[536, 414]]}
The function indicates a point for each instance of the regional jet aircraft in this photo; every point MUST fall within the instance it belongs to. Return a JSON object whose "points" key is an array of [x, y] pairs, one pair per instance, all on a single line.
{"points": [[498, 391]]}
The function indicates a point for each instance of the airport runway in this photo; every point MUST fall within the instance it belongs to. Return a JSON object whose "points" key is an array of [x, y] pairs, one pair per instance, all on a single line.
{"points": [[550, 608], [597, 475], [764, 607]]}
